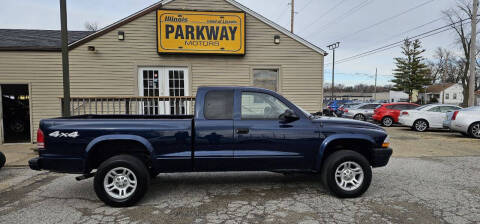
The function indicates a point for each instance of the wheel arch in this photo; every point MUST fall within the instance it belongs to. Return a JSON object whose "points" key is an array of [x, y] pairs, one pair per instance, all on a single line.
{"points": [[115, 145], [470, 128], [360, 143]]}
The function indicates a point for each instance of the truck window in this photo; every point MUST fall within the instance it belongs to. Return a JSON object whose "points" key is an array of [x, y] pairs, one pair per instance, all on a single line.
{"points": [[260, 106], [219, 105]]}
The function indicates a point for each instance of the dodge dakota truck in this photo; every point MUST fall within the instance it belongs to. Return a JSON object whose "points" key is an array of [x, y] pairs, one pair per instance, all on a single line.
{"points": [[232, 129]]}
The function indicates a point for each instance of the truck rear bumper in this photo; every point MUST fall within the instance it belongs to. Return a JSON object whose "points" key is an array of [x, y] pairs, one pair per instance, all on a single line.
{"points": [[381, 156], [61, 165]]}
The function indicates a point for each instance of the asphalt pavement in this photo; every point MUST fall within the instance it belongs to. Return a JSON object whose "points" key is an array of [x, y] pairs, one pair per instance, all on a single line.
{"points": [[408, 190]]}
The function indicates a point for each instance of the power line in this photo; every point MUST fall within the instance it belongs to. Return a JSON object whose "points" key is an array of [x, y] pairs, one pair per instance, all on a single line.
{"points": [[283, 12], [304, 7], [325, 13], [399, 43], [345, 15], [387, 19]]}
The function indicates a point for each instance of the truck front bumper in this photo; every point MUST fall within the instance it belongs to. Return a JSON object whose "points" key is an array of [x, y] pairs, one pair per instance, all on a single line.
{"points": [[380, 156], [60, 165]]}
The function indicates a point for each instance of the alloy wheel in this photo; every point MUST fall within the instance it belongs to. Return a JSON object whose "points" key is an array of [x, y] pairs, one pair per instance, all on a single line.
{"points": [[421, 125], [476, 130], [349, 176], [120, 183]]}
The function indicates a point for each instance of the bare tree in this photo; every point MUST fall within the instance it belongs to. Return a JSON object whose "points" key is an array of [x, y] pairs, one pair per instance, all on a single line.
{"points": [[91, 26], [445, 67], [463, 31]]}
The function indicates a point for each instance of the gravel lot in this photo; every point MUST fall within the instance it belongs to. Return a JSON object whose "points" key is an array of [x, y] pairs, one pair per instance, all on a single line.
{"points": [[440, 185]]}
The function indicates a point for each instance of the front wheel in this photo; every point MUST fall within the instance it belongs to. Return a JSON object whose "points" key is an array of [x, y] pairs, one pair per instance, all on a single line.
{"points": [[360, 117], [420, 125], [347, 174], [2, 160], [121, 181], [474, 130]]}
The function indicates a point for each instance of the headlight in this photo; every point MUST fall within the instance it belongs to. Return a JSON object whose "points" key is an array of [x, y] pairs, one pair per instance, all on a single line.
{"points": [[386, 142]]}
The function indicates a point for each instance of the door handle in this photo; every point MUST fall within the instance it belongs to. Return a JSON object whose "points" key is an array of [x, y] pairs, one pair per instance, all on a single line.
{"points": [[242, 130]]}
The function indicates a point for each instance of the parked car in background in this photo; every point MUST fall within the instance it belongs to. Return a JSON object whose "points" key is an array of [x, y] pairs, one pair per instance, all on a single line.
{"points": [[2, 160], [465, 121], [361, 112], [427, 116], [387, 114], [342, 108], [335, 104]]}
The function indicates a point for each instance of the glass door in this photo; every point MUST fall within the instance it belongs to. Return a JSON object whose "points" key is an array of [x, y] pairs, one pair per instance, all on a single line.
{"points": [[171, 83]]}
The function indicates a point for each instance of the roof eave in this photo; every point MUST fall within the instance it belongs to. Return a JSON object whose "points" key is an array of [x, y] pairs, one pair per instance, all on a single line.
{"points": [[159, 5]]}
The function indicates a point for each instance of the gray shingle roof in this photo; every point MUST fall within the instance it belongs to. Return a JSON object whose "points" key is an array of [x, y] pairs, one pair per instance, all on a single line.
{"points": [[43, 40]]}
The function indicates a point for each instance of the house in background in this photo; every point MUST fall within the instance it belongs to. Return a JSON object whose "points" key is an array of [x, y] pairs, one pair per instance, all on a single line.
{"points": [[445, 93]]}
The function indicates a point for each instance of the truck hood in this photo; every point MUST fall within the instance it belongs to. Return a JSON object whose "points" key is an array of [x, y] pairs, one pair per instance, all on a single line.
{"points": [[347, 123]]}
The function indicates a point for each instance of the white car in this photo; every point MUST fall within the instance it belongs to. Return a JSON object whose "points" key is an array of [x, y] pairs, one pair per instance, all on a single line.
{"points": [[465, 121], [425, 117], [361, 112]]}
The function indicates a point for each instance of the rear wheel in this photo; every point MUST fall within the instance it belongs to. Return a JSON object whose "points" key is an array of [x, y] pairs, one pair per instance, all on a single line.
{"points": [[121, 181], [420, 125], [387, 121], [360, 117], [347, 174], [2, 160], [474, 130]]}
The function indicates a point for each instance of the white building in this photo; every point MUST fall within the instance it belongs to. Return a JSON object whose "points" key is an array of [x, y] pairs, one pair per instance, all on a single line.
{"points": [[445, 93]]}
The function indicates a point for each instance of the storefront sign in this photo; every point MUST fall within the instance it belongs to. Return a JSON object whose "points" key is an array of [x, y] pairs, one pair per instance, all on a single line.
{"points": [[195, 32]]}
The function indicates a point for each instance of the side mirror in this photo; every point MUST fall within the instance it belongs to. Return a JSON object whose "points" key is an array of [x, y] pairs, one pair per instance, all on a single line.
{"points": [[288, 116]]}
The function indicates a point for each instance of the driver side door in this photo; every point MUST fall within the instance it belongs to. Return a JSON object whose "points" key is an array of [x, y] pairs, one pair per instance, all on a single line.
{"points": [[263, 143]]}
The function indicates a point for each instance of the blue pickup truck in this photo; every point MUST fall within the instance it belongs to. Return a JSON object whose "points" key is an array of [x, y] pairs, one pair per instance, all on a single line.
{"points": [[233, 129]]}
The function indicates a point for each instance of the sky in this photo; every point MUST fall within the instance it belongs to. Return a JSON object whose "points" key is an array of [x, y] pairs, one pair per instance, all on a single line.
{"points": [[359, 26]]}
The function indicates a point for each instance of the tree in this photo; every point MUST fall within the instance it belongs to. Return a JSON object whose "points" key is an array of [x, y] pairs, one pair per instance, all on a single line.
{"points": [[462, 30], [445, 67], [91, 26], [411, 72]]}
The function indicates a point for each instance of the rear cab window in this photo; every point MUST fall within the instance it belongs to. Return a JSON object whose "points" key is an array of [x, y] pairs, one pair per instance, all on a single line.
{"points": [[219, 105]]}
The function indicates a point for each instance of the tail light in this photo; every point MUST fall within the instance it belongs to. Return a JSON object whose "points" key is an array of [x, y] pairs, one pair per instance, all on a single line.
{"points": [[404, 113], [40, 139], [346, 111], [455, 115]]}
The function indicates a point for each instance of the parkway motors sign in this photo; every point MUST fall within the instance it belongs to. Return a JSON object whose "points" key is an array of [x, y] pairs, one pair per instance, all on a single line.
{"points": [[195, 32]]}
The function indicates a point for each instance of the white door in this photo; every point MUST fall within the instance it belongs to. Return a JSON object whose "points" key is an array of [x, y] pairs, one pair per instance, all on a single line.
{"points": [[163, 81]]}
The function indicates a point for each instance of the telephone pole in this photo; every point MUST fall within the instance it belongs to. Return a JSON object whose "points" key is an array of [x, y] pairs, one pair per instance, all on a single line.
{"points": [[375, 89], [65, 63], [473, 50], [292, 16], [332, 47]]}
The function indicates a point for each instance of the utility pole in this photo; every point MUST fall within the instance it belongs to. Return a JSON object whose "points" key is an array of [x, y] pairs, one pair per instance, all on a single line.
{"points": [[292, 16], [332, 47], [375, 89], [473, 51], [65, 63]]}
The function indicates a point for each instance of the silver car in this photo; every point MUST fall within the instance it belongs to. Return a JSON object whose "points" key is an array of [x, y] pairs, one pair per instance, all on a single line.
{"points": [[465, 121], [362, 112]]}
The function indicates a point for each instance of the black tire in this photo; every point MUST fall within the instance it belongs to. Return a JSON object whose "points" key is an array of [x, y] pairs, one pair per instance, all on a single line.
{"points": [[387, 121], [336, 160], [2, 160], [360, 117], [473, 130], [420, 125], [136, 166]]}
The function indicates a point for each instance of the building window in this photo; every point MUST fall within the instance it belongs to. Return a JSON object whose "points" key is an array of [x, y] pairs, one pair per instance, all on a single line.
{"points": [[266, 78], [447, 96], [454, 96]]}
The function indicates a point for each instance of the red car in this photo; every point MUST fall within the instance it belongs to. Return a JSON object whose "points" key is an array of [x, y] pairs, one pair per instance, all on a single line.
{"points": [[387, 114]]}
